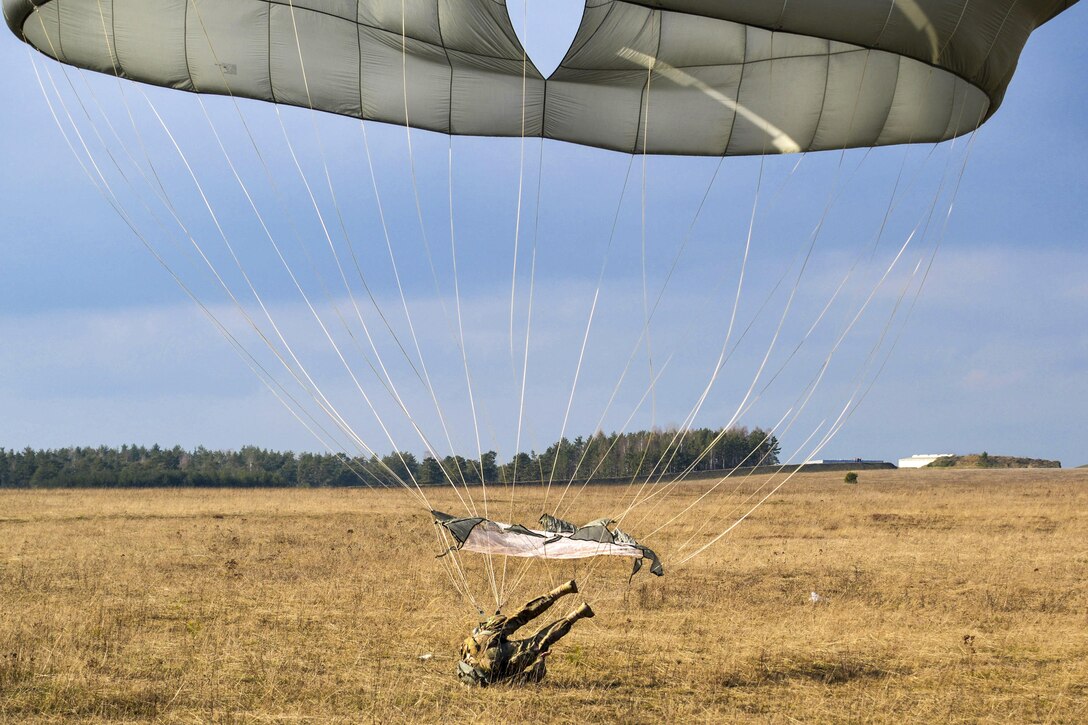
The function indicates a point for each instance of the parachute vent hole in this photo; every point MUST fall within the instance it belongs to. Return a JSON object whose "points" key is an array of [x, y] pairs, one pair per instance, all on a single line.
{"points": [[546, 29]]}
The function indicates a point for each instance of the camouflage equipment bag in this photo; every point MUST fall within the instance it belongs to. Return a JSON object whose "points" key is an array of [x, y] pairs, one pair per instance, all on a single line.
{"points": [[472, 676]]}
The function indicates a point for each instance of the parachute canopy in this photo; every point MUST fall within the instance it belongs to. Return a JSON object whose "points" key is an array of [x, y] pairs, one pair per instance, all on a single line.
{"points": [[558, 540], [713, 77]]}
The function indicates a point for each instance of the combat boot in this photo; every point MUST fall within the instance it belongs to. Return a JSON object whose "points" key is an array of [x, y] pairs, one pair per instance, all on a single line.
{"points": [[583, 612], [562, 590]]}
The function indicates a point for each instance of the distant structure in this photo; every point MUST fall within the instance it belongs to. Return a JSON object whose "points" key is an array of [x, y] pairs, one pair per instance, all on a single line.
{"points": [[839, 461], [920, 460]]}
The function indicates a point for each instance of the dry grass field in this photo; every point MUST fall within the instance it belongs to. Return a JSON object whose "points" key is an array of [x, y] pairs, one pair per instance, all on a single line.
{"points": [[946, 596]]}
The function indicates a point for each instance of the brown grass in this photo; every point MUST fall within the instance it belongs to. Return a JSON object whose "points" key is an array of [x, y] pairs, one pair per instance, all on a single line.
{"points": [[948, 596]]}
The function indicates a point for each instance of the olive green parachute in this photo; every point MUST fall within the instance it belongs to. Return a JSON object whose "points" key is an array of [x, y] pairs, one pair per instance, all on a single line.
{"points": [[724, 76]]}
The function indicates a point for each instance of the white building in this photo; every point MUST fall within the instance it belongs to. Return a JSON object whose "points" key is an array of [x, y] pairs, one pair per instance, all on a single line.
{"points": [[922, 459]]}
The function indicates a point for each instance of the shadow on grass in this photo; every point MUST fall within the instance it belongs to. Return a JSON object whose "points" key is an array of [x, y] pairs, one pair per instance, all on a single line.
{"points": [[827, 671]]}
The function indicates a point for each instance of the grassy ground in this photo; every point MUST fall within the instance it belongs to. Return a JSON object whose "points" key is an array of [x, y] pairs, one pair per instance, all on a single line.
{"points": [[946, 596]]}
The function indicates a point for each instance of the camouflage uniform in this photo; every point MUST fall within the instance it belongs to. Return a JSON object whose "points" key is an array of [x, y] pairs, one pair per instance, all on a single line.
{"points": [[490, 656]]}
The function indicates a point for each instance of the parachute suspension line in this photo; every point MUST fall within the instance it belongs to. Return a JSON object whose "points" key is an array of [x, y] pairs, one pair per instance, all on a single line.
{"points": [[166, 203], [362, 277], [744, 406], [434, 273], [750, 511], [658, 493], [799, 407], [536, 231], [275, 327], [588, 328], [525, 371], [412, 169], [723, 355], [390, 385], [796, 349], [589, 325], [454, 569], [682, 429], [660, 295], [388, 378], [850, 406], [892, 205], [810, 389], [836, 425], [751, 323], [464, 359], [521, 172], [165, 200], [160, 196], [276, 190], [634, 411], [106, 190], [247, 357], [782, 483], [647, 312], [264, 227], [906, 287], [525, 356], [517, 239], [514, 270], [691, 327], [336, 256], [333, 197], [387, 381], [698, 406], [642, 231], [419, 214], [458, 340], [925, 275], [329, 407], [528, 332], [644, 121], [471, 503]]}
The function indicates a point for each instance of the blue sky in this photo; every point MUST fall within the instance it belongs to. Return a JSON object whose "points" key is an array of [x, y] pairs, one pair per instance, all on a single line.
{"points": [[100, 346]]}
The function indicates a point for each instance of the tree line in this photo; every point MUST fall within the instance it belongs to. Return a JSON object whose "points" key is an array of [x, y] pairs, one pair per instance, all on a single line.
{"points": [[601, 456]]}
